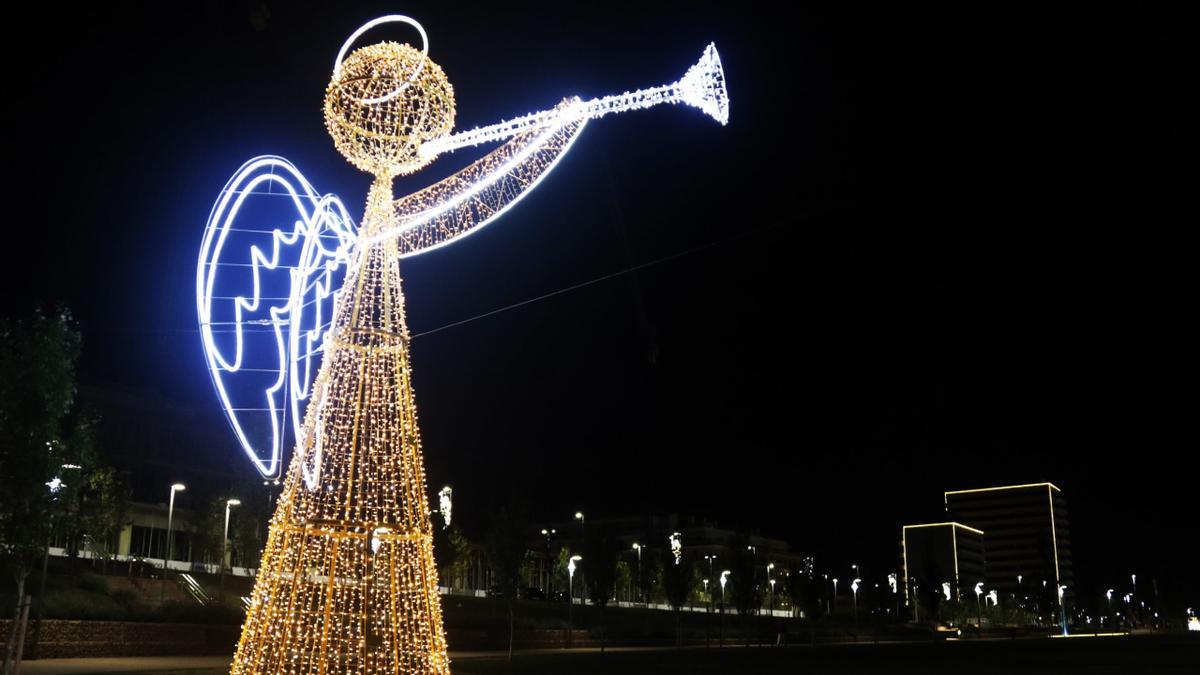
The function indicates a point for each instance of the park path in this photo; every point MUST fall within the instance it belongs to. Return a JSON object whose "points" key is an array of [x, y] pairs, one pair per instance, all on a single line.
{"points": [[132, 664]]}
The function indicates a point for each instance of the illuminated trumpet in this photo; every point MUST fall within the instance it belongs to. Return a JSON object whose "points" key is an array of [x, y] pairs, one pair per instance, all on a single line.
{"points": [[702, 86]]}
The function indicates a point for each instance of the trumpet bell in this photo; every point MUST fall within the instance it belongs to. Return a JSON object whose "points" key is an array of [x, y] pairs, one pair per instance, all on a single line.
{"points": [[703, 86]]}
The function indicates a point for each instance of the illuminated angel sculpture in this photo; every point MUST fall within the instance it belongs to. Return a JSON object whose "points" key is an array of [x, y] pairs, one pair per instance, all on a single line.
{"points": [[347, 580]]}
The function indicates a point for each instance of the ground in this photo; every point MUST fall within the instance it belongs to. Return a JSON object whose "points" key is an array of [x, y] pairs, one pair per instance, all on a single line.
{"points": [[1094, 656]]}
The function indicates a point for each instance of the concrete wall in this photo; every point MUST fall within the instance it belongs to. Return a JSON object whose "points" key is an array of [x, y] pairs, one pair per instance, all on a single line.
{"points": [[58, 638]]}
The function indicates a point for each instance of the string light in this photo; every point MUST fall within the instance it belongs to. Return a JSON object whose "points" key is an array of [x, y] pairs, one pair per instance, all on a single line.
{"points": [[348, 582]]}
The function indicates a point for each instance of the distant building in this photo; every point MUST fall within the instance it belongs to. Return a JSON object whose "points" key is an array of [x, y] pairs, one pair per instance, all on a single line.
{"points": [[943, 553], [1028, 537], [711, 546]]}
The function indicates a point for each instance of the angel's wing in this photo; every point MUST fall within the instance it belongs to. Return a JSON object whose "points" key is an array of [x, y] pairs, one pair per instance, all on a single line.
{"points": [[477, 195], [270, 264]]}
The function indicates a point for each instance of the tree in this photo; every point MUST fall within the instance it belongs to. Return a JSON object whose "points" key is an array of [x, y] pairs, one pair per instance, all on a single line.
{"points": [[452, 551], [805, 592], [678, 582], [247, 525], [506, 544], [600, 553], [37, 392], [747, 596], [650, 574]]}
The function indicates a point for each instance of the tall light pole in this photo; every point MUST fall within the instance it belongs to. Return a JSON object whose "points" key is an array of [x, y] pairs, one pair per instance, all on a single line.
{"points": [[582, 544], [833, 612], [979, 603], [771, 603], [724, 577], [854, 590], [571, 597], [1108, 597], [177, 487], [1062, 609], [1133, 602], [229, 503], [549, 565], [707, 616], [638, 547]]}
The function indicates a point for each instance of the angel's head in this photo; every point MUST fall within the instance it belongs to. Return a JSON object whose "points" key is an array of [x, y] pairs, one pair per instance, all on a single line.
{"points": [[384, 101]]}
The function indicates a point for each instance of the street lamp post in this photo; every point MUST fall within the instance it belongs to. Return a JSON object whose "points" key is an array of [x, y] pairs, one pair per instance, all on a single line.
{"points": [[229, 503], [833, 611], [979, 603], [771, 602], [582, 543], [1062, 609], [707, 617], [177, 487], [854, 590], [571, 597], [638, 547], [724, 577], [1133, 596]]}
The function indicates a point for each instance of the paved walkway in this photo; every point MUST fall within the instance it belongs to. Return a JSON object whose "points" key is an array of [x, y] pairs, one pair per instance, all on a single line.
{"points": [[129, 664]]}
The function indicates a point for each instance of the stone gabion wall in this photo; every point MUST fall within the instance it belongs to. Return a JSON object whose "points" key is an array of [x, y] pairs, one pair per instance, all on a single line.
{"points": [[58, 638]]}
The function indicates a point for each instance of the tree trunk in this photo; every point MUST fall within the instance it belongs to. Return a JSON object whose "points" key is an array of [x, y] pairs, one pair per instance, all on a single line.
{"points": [[12, 634], [510, 628]]}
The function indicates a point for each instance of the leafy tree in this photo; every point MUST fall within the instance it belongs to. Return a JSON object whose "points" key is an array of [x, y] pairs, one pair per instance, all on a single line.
{"points": [[37, 393], [506, 545], [624, 577], [651, 575], [104, 509], [248, 523], [678, 581], [600, 554], [746, 594], [805, 592], [452, 551]]}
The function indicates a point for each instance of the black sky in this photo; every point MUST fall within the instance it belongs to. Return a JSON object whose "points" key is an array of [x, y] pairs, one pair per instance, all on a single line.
{"points": [[933, 249]]}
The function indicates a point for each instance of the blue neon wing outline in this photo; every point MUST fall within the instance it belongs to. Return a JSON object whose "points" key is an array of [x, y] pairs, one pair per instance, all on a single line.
{"points": [[324, 233]]}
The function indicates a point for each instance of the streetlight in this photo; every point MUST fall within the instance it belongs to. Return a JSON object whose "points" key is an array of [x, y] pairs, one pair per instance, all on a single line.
{"points": [[724, 577], [978, 603], [638, 547], [771, 605], [177, 487], [834, 610], [229, 503], [1133, 595], [892, 581], [854, 590], [583, 541], [707, 616], [1108, 596], [1062, 610], [571, 596]]}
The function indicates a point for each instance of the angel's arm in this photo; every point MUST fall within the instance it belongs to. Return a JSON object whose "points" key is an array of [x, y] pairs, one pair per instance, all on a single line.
{"points": [[477, 195]]}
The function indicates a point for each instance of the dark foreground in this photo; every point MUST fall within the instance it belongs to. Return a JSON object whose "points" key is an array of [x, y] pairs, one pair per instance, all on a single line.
{"points": [[1098, 656], [1049, 657]]}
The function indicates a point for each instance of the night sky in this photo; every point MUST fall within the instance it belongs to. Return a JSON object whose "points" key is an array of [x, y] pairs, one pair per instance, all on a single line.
{"points": [[932, 250]]}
